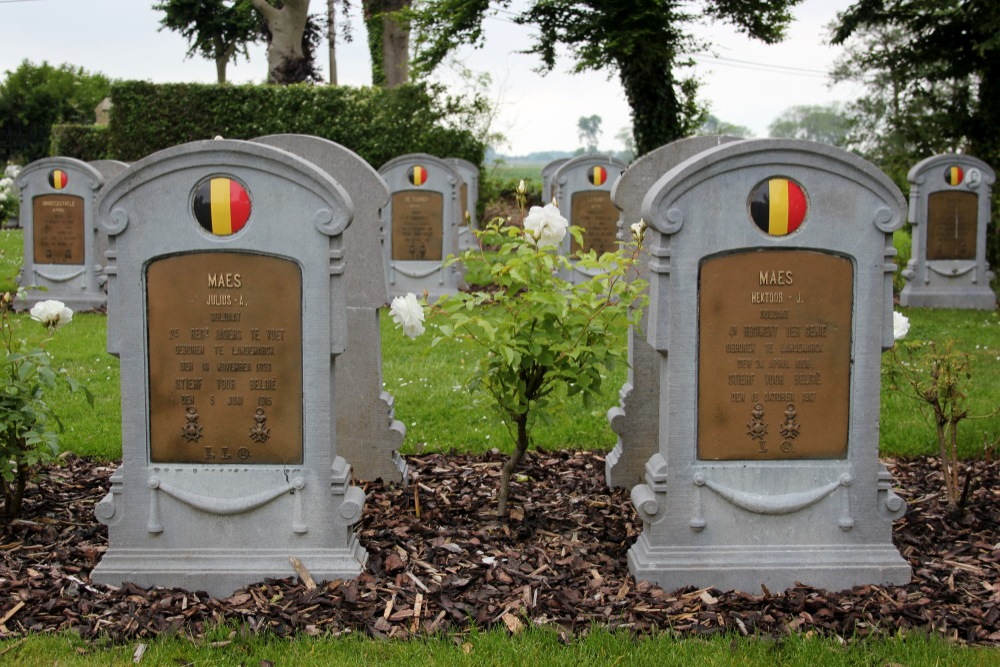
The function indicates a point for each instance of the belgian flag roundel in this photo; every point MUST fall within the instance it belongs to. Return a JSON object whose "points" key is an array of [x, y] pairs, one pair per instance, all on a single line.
{"points": [[778, 206], [954, 175], [221, 206], [58, 179], [417, 175], [598, 175]]}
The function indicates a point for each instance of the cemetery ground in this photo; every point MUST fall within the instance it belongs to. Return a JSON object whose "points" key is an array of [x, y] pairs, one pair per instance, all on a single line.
{"points": [[445, 573]]}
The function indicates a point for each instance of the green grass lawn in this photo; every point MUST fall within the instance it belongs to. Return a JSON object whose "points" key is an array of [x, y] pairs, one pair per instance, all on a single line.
{"points": [[534, 647]]}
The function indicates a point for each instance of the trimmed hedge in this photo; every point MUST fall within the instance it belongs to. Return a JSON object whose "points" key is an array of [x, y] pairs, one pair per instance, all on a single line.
{"points": [[84, 142], [377, 124]]}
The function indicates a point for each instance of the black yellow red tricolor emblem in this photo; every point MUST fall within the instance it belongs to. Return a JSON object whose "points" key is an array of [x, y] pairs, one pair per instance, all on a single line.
{"points": [[221, 206], [954, 175], [778, 206], [58, 179], [417, 175], [597, 175]]}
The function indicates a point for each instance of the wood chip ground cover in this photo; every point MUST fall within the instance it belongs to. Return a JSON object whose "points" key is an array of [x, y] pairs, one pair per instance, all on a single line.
{"points": [[440, 560]]}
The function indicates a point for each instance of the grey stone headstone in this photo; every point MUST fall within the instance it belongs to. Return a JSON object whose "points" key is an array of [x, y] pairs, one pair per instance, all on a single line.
{"points": [[421, 226], [636, 419], [227, 309], [62, 249], [770, 307], [548, 172], [367, 435], [950, 202], [108, 169], [582, 188], [470, 187]]}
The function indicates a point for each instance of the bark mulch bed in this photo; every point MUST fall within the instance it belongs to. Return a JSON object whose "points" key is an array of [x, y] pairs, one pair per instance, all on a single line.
{"points": [[559, 560]]}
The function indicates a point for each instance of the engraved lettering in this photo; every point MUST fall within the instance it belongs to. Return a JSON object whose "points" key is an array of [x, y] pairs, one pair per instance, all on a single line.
{"points": [[737, 397], [740, 347], [767, 297], [276, 334], [807, 378], [745, 379], [263, 366], [802, 347], [775, 277], [774, 314], [264, 384], [225, 383], [190, 384], [187, 365], [219, 300], [253, 350], [760, 330], [227, 280], [228, 334], [743, 363], [816, 331], [233, 366], [779, 396], [199, 333], [224, 317], [774, 378], [234, 400]]}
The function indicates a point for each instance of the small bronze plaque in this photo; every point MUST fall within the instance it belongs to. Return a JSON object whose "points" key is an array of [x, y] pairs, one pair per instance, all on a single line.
{"points": [[464, 209], [417, 225], [57, 229], [225, 359], [774, 355], [596, 213], [952, 225]]}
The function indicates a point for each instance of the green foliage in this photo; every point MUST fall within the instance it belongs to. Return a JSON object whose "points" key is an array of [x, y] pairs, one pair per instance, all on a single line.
{"points": [[28, 421], [84, 142], [939, 378], [902, 241], [647, 42], [214, 29], [931, 69], [824, 124], [377, 124], [712, 127], [35, 97], [545, 339]]}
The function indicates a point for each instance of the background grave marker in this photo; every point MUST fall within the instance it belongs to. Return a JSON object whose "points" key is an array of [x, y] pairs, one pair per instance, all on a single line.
{"points": [[950, 202]]}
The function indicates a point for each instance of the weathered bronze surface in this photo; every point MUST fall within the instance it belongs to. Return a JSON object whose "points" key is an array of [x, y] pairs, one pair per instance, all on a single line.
{"points": [[463, 196], [57, 229], [417, 225], [774, 360], [225, 359], [594, 211], [952, 225]]}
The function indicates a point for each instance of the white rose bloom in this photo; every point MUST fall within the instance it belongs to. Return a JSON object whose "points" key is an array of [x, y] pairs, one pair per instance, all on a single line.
{"points": [[6, 183], [12, 171], [638, 230], [546, 225], [407, 312], [900, 325], [51, 313]]}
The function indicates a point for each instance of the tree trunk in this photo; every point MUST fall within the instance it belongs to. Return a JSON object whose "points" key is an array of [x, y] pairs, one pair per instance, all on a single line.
{"points": [[510, 465], [287, 26], [331, 36], [656, 111], [388, 42]]}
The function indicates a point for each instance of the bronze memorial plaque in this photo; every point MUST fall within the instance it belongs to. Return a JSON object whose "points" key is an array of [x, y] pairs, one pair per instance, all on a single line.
{"points": [[952, 225], [225, 359], [57, 229], [596, 213], [774, 359], [417, 225]]}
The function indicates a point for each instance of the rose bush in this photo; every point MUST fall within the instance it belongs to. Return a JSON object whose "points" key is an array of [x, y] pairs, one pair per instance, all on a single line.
{"points": [[543, 339], [9, 198], [28, 423]]}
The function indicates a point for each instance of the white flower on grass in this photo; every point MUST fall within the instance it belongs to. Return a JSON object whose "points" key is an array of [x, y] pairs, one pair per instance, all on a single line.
{"points": [[546, 225], [900, 325], [52, 314], [407, 312]]}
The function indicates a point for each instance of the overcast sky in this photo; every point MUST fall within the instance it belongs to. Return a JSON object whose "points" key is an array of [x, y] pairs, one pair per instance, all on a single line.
{"points": [[746, 83]]}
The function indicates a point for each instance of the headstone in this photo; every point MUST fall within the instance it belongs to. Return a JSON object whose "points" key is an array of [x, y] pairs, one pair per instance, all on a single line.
{"points": [[102, 112], [548, 171], [950, 197], [227, 309], [367, 435], [108, 170], [582, 188], [770, 306], [421, 225], [469, 196], [636, 419], [62, 252]]}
